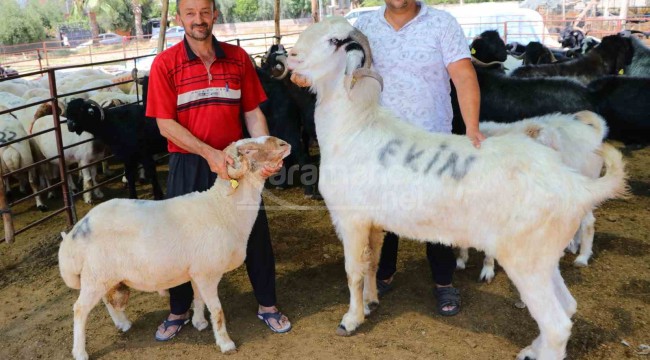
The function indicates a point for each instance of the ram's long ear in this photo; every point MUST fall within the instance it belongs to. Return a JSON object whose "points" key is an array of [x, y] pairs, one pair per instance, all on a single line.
{"points": [[241, 165]]}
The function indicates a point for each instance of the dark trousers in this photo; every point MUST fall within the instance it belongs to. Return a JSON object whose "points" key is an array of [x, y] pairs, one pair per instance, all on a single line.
{"points": [[441, 260], [190, 172]]}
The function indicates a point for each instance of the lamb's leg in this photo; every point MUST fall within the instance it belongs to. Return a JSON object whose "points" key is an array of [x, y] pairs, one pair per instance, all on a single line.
{"points": [[93, 177], [31, 176], [130, 170], [487, 273], [357, 256], [198, 319], [207, 287], [370, 298], [463, 257], [562, 292], [586, 240], [89, 296], [150, 171], [87, 184], [535, 283], [115, 300]]}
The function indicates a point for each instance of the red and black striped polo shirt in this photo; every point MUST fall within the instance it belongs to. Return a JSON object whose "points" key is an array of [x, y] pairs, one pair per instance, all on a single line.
{"points": [[207, 103]]}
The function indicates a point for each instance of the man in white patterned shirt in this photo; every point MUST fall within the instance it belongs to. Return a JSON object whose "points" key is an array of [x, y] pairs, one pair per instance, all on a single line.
{"points": [[417, 50]]}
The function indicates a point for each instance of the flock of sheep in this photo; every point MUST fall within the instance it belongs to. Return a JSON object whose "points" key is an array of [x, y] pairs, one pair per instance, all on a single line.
{"points": [[525, 206]]}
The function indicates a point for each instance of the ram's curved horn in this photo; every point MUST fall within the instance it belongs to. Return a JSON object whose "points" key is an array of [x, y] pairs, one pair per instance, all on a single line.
{"points": [[283, 61], [101, 109], [241, 165], [362, 40]]}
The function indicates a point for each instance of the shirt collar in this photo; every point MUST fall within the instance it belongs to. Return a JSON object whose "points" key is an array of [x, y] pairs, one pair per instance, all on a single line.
{"points": [[424, 9], [218, 51]]}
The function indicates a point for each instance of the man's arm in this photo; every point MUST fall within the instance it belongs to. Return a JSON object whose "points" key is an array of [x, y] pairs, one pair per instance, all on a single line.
{"points": [[463, 75], [176, 133]]}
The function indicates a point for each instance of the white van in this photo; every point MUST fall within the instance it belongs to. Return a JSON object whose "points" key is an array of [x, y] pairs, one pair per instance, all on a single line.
{"points": [[354, 14], [512, 22]]}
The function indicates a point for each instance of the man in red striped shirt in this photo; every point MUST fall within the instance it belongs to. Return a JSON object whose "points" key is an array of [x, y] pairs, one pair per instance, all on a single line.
{"points": [[197, 90]]}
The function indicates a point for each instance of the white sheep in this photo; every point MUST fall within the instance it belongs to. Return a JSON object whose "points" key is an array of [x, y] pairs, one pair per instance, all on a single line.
{"points": [[17, 155], [577, 137], [82, 155], [132, 243], [378, 172]]}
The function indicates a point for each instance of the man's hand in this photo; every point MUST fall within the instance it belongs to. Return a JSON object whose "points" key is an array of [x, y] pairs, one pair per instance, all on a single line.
{"points": [[218, 162], [270, 170], [475, 136]]}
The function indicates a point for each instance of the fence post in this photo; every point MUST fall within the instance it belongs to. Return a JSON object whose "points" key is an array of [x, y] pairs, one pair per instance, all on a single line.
{"points": [[67, 199], [47, 58], [505, 32], [7, 219], [38, 56]]}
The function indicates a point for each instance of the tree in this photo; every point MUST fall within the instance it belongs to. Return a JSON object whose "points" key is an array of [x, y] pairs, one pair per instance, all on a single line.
{"points": [[19, 26], [246, 10], [136, 7]]}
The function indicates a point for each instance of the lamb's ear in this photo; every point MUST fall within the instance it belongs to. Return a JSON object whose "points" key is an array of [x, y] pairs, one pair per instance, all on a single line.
{"points": [[241, 165], [544, 136]]}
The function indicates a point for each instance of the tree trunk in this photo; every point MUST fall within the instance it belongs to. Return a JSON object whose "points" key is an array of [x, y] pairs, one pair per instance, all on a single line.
{"points": [[136, 7], [276, 18], [92, 17], [315, 11]]}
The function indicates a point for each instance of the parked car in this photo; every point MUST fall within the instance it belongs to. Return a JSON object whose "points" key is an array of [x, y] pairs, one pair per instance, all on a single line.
{"points": [[354, 14], [174, 32], [104, 39]]}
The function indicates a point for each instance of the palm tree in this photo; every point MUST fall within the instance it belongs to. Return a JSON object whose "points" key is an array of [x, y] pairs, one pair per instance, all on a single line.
{"points": [[136, 7]]}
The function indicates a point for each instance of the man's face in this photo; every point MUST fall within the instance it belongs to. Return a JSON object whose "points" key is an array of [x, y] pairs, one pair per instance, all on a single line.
{"points": [[398, 4], [197, 18]]}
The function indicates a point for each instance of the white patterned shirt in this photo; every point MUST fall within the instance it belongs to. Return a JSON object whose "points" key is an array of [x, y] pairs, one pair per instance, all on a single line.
{"points": [[413, 62]]}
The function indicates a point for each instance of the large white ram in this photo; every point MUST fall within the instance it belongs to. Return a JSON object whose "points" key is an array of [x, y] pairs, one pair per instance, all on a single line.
{"points": [[522, 207]]}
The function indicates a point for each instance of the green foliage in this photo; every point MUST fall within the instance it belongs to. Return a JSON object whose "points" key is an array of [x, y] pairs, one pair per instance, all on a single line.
{"points": [[19, 26], [294, 9], [50, 12], [246, 10]]}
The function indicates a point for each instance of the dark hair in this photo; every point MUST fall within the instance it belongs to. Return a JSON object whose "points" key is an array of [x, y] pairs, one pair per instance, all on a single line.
{"points": [[178, 8]]}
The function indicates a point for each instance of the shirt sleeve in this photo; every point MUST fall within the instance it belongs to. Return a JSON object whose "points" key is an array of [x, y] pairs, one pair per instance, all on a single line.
{"points": [[161, 94], [252, 94], [453, 43]]}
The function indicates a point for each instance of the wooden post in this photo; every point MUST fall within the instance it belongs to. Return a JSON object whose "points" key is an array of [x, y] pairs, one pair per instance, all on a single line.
{"points": [[7, 220], [276, 11], [163, 26]]}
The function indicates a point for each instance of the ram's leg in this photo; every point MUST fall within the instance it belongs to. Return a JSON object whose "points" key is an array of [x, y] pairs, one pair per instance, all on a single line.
{"points": [[355, 239], [587, 231], [93, 177], [31, 176], [198, 319], [116, 300], [562, 292], [130, 171], [87, 184], [487, 273], [208, 288], [536, 284], [149, 167], [370, 298], [89, 296], [463, 257]]}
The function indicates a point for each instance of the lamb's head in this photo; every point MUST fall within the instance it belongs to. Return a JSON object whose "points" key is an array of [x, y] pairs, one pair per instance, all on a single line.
{"points": [[252, 155], [331, 54], [489, 47], [83, 113], [616, 51]]}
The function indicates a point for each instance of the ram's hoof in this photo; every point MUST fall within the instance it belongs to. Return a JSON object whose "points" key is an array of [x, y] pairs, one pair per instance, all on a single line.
{"points": [[342, 331]]}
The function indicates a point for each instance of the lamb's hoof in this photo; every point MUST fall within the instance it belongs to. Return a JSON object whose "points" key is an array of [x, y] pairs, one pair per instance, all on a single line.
{"points": [[81, 355], [580, 263], [200, 325], [520, 305], [527, 354], [372, 306], [163, 293], [342, 331], [42, 208], [487, 275], [124, 327], [460, 264], [228, 348]]}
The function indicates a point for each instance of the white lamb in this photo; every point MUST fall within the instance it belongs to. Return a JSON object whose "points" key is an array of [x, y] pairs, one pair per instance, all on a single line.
{"points": [[17, 155], [378, 172], [82, 155], [131, 243], [577, 137]]}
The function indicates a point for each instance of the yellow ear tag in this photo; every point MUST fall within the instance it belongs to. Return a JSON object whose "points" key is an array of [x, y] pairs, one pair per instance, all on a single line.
{"points": [[234, 183], [621, 72], [473, 51]]}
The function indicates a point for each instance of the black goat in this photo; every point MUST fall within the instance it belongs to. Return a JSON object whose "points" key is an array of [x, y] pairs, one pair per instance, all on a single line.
{"points": [[290, 114], [625, 103], [132, 137], [508, 99], [610, 57]]}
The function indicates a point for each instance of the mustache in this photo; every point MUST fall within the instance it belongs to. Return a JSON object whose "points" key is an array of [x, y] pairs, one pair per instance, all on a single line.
{"points": [[199, 25]]}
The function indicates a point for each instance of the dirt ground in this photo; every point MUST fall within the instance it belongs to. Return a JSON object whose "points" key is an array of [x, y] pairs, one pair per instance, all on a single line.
{"points": [[613, 296]]}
